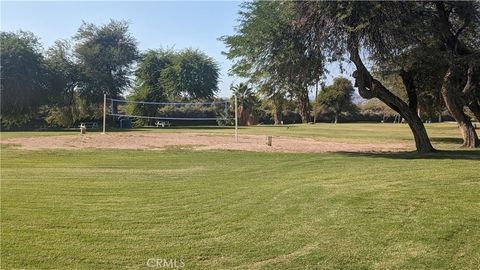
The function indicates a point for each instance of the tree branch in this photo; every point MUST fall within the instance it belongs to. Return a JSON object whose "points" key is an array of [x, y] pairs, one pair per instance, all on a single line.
{"points": [[470, 85], [363, 80], [466, 22], [407, 80]]}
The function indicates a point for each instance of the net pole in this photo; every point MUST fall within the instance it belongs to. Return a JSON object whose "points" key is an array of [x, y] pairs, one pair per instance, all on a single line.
{"points": [[104, 112], [236, 118]]}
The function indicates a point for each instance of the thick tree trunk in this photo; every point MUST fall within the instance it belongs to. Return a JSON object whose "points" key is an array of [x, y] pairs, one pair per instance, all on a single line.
{"points": [[277, 116], [304, 106], [474, 106], [407, 79], [450, 91], [369, 88], [473, 100], [454, 104], [243, 116], [422, 141], [420, 135]]}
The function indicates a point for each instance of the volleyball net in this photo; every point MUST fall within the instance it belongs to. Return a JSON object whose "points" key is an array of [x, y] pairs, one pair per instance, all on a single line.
{"points": [[149, 111]]}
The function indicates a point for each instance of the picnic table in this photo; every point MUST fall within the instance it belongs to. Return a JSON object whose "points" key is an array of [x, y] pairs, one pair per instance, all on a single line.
{"points": [[162, 124]]}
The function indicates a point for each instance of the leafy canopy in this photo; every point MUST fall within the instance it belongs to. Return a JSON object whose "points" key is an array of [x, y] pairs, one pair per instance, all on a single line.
{"points": [[23, 83], [337, 97], [106, 55]]}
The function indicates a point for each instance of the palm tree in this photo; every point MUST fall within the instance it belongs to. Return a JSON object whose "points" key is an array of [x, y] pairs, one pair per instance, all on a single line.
{"points": [[247, 102], [274, 99]]}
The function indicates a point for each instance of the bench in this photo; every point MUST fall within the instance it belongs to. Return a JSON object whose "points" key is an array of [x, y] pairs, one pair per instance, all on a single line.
{"points": [[162, 124]]}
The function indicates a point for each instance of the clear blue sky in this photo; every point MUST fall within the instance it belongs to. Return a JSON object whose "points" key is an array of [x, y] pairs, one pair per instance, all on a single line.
{"points": [[179, 24]]}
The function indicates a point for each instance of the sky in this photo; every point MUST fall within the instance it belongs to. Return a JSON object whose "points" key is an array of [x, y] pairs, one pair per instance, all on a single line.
{"points": [[163, 24]]}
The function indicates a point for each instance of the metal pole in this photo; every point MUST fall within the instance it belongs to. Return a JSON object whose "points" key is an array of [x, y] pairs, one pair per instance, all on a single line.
{"points": [[315, 103], [236, 118], [104, 112]]}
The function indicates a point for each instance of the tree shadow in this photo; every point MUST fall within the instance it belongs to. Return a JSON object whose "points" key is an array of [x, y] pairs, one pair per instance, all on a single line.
{"points": [[448, 140], [439, 154]]}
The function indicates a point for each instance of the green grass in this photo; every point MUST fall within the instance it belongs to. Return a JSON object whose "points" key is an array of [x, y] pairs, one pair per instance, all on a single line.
{"points": [[111, 209]]}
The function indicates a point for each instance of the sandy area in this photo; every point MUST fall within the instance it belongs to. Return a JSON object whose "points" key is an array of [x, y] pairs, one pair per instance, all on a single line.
{"points": [[136, 140]]}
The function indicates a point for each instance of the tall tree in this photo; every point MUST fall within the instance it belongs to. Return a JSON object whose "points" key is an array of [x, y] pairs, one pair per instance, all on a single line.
{"points": [[247, 102], [440, 59], [191, 75], [458, 29], [266, 50], [62, 81], [337, 97], [105, 55], [149, 85], [273, 99], [377, 28], [415, 75], [22, 77]]}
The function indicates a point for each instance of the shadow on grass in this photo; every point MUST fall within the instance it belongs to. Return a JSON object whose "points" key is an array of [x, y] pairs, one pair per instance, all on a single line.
{"points": [[440, 154], [448, 140]]}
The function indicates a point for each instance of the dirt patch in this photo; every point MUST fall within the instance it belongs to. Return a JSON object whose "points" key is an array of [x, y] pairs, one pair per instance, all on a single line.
{"points": [[129, 140]]}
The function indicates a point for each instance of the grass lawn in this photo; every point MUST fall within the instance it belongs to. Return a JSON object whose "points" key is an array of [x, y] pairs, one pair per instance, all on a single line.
{"points": [[110, 209]]}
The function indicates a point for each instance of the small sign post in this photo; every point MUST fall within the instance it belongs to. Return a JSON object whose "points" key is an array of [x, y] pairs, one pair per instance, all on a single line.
{"points": [[104, 112], [236, 118]]}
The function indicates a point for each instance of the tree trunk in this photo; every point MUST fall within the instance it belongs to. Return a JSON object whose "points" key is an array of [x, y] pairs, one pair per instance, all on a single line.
{"points": [[474, 106], [407, 79], [277, 116], [454, 105], [304, 105], [368, 88], [242, 116], [450, 91], [336, 118], [420, 135], [422, 141], [473, 101]]}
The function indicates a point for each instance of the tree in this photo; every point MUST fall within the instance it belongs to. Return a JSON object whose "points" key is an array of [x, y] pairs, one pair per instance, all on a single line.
{"points": [[377, 28], [273, 99], [166, 75], [63, 76], [439, 58], [191, 75], [105, 55], [22, 78], [374, 107], [149, 70], [267, 51], [337, 97], [149, 85], [457, 26], [247, 103], [415, 74]]}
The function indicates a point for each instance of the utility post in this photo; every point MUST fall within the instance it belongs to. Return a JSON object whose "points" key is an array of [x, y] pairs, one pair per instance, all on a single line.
{"points": [[104, 112]]}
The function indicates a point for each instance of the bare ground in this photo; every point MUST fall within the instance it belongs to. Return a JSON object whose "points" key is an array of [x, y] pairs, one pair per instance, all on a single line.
{"points": [[160, 141]]}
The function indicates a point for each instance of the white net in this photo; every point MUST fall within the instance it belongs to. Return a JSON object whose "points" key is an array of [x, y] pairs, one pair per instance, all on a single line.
{"points": [[170, 111]]}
